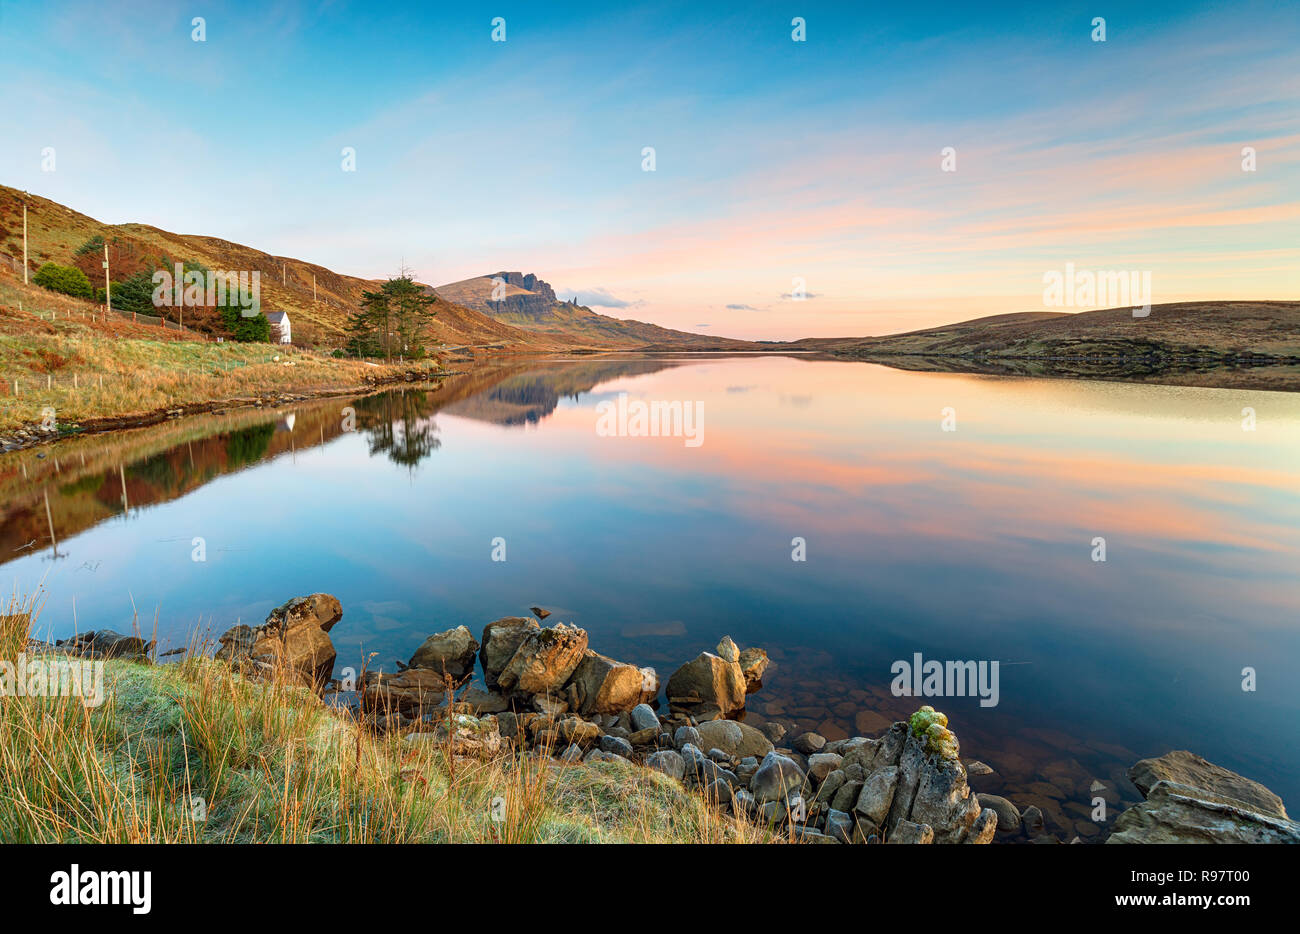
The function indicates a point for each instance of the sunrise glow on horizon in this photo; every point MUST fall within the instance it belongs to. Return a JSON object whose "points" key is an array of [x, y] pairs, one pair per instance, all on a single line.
{"points": [[772, 166]]}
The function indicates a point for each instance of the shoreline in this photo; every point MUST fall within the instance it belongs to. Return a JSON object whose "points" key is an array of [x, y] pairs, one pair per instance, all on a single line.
{"points": [[30, 435], [552, 703], [1276, 375]]}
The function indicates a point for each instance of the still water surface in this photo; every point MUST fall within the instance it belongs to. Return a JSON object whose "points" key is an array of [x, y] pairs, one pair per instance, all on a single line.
{"points": [[972, 544]]}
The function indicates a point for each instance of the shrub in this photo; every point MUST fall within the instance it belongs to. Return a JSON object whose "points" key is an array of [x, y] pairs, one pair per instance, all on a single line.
{"points": [[133, 294], [254, 329], [66, 279], [93, 245]]}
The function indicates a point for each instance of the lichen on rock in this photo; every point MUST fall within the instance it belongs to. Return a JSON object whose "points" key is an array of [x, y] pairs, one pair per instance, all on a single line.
{"points": [[920, 721], [942, 741]]}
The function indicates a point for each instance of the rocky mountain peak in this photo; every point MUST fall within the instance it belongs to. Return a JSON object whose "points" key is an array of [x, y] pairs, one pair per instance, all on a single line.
{"points": [[527, 281]]}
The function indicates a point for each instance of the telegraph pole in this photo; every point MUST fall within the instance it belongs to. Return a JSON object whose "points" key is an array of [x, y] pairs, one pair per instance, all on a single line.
{"points": [[108, 295], [24, 241]]}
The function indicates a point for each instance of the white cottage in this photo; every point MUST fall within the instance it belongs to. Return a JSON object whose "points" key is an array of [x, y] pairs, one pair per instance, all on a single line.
{"points": [[280, 324]]}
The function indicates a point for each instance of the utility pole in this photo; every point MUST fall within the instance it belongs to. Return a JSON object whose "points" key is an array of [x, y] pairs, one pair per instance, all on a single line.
{"points": [[24, 241], [313, 288], [108, 288]]}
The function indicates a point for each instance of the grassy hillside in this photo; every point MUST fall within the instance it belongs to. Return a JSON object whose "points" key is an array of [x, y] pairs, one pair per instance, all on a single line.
{"points": [[97, 371], [55, 233], [1216, 329], [1229, 345]]}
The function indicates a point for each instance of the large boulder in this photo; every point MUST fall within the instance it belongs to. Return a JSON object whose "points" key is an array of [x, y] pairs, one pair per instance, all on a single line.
{"points": [[452, 651], [914, 786], [322, 610], [668, 762], [479, 737], [753, 665], [544, 661], [501, 639], [602, 685], [707, 687], [944, 801], [1190, 800], [876, 797], [643, 717], [294, 638], [736, 739], [776, 777], [105, 643], [412, 692], [1008, 814], [1186, 768]]}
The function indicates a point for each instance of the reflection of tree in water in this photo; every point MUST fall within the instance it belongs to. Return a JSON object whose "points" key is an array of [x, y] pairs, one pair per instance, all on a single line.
{"points": [[156, 471], [248, 445], [400, 425]]}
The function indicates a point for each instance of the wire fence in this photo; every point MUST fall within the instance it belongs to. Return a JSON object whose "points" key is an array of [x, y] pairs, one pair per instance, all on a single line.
{"points": [[101, 313], [37, 384]]}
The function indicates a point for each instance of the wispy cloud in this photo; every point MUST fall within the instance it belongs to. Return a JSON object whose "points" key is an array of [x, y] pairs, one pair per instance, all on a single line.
{"points": [[775, 160], [598, 298]]}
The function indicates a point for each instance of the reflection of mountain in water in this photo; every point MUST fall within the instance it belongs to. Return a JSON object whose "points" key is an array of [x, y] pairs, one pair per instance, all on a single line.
{"points": [[526, 398]]}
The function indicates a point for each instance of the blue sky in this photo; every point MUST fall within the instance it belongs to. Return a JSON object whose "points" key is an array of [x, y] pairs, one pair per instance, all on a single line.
{"points": [[775, 159]]}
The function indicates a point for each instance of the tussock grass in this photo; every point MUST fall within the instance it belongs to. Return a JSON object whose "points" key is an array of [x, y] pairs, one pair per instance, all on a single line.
{"points": [[123, 370], [193, 752]]}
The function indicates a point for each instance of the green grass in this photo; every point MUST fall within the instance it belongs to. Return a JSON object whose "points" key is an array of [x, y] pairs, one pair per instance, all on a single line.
{"points": [[87, 370], [272, 763]]}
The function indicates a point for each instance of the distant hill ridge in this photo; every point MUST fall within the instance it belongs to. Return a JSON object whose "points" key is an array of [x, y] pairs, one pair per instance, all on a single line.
{"points": [[524, 300], [320, 300]]}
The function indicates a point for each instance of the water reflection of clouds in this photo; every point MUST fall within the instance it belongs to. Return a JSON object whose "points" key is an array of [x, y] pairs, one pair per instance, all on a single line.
{"points": [[967, 544]]}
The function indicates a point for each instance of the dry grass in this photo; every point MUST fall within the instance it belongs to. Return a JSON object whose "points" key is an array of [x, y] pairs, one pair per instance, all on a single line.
{"points": [[91, 370], [195, 753]]}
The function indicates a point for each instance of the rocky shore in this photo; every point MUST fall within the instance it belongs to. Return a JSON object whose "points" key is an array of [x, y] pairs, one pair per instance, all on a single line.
{"points": [[546, 693]]}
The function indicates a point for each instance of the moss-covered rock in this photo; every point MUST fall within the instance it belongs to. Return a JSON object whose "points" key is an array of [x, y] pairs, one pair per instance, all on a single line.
{"points": [[921, 721], [941, 741]]}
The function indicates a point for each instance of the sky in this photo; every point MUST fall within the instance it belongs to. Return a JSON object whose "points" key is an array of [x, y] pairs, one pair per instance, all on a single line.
{"points": [[798, 187]]}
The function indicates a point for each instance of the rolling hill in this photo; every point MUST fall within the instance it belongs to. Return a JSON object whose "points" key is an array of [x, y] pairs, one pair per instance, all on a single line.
{"points": [[1219, 329], [1225, 344], [319, 300]]}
